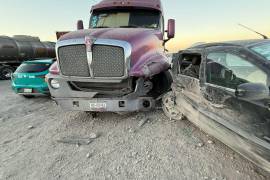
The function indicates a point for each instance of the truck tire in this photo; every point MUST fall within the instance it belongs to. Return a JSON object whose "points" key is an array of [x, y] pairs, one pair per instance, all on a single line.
{"points": [[161, 84], [6, 72]]}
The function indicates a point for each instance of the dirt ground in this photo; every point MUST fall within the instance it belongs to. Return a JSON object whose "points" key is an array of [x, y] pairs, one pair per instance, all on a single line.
{"points": [[134, 146]]}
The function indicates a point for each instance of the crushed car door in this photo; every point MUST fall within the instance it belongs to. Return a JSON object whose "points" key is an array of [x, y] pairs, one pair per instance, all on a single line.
{"points": [[224, 72], [187, 85]]}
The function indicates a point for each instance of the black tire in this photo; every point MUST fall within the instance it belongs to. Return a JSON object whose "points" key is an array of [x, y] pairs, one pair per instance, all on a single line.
{"points": [[28, 96], [6, 72], [161, 84]]}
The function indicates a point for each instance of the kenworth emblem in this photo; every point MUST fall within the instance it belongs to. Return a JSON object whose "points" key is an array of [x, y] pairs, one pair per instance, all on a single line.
{"points": [[89, 41]]}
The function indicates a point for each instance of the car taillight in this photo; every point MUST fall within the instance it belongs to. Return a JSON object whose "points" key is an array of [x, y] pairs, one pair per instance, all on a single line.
{"points": [[54, 69]]}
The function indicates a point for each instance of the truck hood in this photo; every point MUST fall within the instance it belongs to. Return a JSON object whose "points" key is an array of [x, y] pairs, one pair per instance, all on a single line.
{"points": [[124, 34], [146, 44]]}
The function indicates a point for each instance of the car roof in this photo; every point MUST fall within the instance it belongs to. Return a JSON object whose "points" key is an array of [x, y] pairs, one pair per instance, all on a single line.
{"points": [[241, 43], [40, 61]]}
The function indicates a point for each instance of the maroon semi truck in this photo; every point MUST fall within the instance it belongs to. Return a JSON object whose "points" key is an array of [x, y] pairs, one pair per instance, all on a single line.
{"points": [[118, 64]]}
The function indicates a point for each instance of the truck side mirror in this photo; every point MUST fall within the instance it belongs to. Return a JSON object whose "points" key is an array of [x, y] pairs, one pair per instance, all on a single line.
{"points": [[171, 28], [80, 25], [252, 91]]}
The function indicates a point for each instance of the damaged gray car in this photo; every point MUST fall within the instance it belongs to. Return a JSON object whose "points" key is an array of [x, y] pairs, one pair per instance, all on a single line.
{"points": [[223, 88]]}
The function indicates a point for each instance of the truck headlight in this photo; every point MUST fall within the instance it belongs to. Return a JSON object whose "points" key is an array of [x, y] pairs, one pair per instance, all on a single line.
{"points": [[54, 84]]}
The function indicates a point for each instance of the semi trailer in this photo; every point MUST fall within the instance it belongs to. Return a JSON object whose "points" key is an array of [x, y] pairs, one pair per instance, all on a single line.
{"points": [[118, 64], [14, 50]]}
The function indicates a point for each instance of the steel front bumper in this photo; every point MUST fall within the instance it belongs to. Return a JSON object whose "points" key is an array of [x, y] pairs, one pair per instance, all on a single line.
{"points": [[72, 100], [106, 104]]}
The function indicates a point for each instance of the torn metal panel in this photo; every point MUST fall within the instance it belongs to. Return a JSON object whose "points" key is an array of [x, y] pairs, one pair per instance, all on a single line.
{"points": [[226, 103]]}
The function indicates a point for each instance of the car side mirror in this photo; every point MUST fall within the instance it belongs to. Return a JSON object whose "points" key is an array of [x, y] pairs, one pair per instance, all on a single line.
{"points": [[252, 91], [80, 25], [171, 29]]}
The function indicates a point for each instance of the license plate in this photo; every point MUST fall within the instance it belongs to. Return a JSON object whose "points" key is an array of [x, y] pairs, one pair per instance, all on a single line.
{"points": [[27, 90], [98, 106]]}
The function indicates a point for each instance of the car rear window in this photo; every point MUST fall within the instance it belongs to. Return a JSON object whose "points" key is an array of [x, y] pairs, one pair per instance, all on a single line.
{"points": [[32, 68], [263, 50]]}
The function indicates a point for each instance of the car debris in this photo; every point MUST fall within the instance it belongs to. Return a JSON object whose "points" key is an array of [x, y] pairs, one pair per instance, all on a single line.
{"points": [[30, 127], [93, 136], [143, 121], [200, 144], [119, 64], [88, 155], [131, 130], [78, 141], [223, 88]]}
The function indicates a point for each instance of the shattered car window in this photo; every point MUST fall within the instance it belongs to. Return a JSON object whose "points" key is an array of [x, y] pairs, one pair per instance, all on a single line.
{"points": [[228, 70], [191, 66], [263, 50]]}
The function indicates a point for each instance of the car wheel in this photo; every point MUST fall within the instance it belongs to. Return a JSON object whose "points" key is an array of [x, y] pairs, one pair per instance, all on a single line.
{"points": [[169, 107], [28, 96], [6, 72]]}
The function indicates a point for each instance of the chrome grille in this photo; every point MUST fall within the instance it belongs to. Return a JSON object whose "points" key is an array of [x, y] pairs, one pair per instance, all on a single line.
{"points": [[73, 61], [108, 61]]}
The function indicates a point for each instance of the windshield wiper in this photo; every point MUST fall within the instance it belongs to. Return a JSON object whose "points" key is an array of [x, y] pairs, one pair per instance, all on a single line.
{"points": [[134, 26], [130, 26], [101, 27]]}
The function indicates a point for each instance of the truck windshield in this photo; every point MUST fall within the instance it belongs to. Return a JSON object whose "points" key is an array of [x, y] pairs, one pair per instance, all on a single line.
{"points": [[32, 68], [263, 50], [125, 19]]}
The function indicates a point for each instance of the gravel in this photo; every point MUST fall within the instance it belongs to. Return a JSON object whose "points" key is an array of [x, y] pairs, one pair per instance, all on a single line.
{"points": [[125, 147]]}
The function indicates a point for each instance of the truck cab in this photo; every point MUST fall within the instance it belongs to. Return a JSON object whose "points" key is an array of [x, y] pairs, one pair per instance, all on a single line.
{"points": [[118, 64]]}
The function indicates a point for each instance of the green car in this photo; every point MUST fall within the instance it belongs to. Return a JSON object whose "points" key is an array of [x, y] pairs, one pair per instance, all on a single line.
{"points": [[29, 78]]}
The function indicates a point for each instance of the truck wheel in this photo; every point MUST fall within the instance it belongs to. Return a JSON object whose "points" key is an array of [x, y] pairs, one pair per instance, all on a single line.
{"points": [[169, 107], [6, 72], [161, 84]]}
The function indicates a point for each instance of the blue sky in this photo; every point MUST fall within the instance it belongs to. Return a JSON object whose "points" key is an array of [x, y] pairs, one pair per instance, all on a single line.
{"points": [[197, 20]]}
